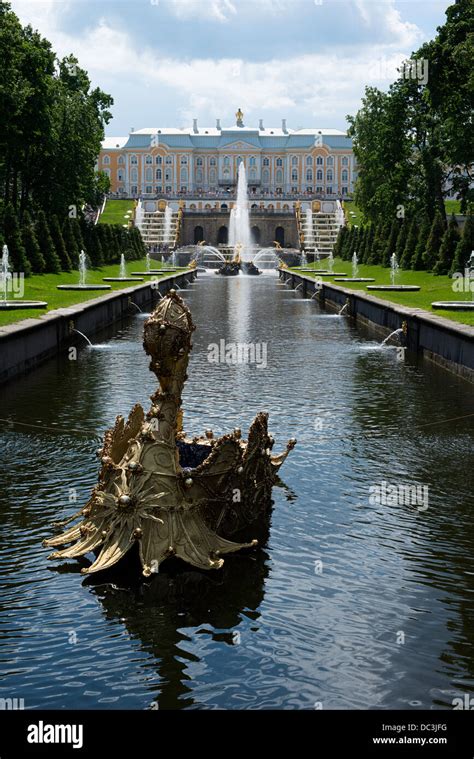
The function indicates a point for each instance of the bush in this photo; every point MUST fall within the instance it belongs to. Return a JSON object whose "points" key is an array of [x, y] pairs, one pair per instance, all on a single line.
{"points": [[13, 239], [431, 252], [448, 248], [30, 243]]}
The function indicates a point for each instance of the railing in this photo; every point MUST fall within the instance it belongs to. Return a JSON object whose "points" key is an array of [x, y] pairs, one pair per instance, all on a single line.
{"points": [[220, 195]]}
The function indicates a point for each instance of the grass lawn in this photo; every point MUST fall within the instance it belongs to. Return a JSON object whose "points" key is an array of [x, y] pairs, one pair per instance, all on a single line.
{"points": [[358, 219], [432, 288], [115, 210], [452, 206], [43, 287]]}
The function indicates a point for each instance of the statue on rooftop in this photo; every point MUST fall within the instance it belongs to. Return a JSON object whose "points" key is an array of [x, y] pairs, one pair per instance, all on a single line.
{"points": [[163, 492], [239, 118]]}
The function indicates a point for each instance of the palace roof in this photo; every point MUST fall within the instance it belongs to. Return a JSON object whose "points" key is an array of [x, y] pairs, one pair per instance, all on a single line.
{"points": [[218, 138]]}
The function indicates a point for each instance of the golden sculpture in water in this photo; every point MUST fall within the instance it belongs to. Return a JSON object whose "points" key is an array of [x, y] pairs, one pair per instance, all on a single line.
{"points": [[168, 494], [237, 253]]}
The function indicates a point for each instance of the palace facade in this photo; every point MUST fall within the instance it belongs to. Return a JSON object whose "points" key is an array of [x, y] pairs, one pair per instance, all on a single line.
{"points": [[204, 161]]}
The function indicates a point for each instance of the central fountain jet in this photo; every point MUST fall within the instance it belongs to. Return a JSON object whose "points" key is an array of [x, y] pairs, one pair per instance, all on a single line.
{"points": [[170, 495], [240, 237]]}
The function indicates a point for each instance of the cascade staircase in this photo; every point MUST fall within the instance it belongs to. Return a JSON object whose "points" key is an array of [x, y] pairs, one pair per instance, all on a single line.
{"points": [[317, 232]]}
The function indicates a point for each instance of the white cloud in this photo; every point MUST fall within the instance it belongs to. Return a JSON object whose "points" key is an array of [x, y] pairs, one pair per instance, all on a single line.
{"points": [[223, 10], [325, 85], [382, 16]]}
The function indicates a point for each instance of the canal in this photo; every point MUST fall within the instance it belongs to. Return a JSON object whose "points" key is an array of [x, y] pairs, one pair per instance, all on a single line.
{"points": [[355, 600]]}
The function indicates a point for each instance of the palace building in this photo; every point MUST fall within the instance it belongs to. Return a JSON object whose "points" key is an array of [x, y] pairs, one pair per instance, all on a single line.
{"points": [[203, 162]]}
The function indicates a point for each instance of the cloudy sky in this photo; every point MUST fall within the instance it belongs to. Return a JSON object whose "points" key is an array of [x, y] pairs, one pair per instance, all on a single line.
{"points": [[168, 61]]}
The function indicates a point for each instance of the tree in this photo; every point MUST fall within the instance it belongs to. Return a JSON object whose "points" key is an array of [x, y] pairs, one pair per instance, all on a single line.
{"points": [[423, 234], [401, 240], [343, 232], [70, 242], [52, 126], [92, 242], [431, 253], [381, 233], [43, 235], [361, 241], [391, 243], [368, 242], [464, 247], [30, 243], [76, 230], [410, 245], [415, 140], [59, 244], [348, 244], [448, 247], [14, 242]]}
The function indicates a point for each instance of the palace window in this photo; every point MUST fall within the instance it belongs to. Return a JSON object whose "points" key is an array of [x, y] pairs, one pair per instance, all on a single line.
{"points": [[149, 175], [294, 189], [266, 162], [121, 159], [134, 175], [184, 160], [294, 161], [198, 175], [329, 190], [279, 161], [309, 175], [309, 161], [319, 189], [158, 160], [253, 174], [184, 188], [330, 160], [168, 189], [344, 175], [329, 176], [107, 171], [167, 175], [344, 190], [212, 162], [319, 161], [345, 161], [158, 174], [120, 175], [252, 161], [134, 189], [158, 188], [294, 175], [199, 162], [226, 173], [266, 176], [212, 176], [319, 175], [106, 160], [240, 160], [279, 176], [184, 175], [134, 160], [226, 160], [309, 189], [169, 160], [148, 159], [148, 190]]}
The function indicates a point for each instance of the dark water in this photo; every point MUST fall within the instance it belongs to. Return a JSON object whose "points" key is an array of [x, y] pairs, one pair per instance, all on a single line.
{"points": [[385, 621]]}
